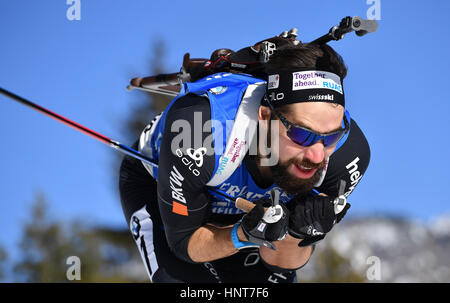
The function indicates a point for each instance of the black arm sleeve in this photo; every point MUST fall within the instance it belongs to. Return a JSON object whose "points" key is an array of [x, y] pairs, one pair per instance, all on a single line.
{"points": [[349, 163], [184, 171]]}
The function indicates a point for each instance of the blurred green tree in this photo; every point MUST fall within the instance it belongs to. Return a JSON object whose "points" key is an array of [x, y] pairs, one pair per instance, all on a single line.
{"points": [[144, 109], [142, 113], [329, 266], [3, 259], [46, 244]]}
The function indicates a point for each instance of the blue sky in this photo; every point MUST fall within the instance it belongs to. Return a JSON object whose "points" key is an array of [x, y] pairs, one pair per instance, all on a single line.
{"points": [[80, 69]]}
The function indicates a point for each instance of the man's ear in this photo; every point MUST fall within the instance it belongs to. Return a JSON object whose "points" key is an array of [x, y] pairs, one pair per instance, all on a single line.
{"points": [[264, 113]]}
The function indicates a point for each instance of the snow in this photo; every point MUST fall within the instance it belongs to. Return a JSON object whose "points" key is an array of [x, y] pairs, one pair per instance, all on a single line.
{"points": [[408, 250], [440, 226]]}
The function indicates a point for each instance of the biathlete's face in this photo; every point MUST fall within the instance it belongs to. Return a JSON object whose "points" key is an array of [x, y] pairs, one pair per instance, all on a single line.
{"points": [[299, 167]]}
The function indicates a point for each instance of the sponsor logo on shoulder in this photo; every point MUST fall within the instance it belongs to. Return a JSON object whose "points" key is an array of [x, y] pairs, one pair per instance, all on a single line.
{"points": [[197, 155], [222, 165], [193, 159], [235, 149], [355, 175]]}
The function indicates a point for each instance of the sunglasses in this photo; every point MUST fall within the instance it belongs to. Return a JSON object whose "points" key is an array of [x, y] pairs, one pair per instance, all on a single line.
{"points": [[306, 137]]}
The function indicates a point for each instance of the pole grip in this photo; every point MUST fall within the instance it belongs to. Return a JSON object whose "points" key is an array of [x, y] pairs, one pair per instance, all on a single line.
{"points": [[247, 206], [244, 205]]}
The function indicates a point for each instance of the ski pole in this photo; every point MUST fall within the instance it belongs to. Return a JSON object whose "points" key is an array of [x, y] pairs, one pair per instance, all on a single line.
{"points": [[114, 144]]}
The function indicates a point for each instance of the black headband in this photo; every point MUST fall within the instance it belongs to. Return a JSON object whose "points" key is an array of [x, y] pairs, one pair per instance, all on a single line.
{"points": [[295, 86]]}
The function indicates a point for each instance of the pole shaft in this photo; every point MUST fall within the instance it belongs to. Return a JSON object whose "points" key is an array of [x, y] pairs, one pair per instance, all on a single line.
{"points": [[118, 146]]}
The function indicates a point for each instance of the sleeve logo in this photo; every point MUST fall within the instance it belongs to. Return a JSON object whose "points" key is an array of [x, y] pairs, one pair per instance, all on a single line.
{"points": [[197, 155]]}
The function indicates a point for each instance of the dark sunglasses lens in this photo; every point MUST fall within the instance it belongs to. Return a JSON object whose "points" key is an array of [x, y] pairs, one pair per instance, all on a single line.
{"points": [[331, 140], [306, 138], [301, 136]]}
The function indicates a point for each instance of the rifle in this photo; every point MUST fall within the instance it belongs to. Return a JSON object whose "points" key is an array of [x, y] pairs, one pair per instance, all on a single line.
{"points": [[248, 60]]}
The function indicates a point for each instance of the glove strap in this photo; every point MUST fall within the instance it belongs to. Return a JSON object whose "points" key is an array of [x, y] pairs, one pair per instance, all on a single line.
{"points": [[256, 235], [236, 242]]}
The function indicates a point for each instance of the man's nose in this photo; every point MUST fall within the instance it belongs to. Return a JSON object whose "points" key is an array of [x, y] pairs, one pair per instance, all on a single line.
{"points": [[316, 152]]}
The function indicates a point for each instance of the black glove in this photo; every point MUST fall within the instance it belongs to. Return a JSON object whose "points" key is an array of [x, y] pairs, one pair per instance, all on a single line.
{"points": [[312, 217], [258, 227], [314, 239]]}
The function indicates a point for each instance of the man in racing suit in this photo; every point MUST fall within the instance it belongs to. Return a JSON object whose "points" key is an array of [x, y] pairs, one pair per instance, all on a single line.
{"points": [[181, 210]]}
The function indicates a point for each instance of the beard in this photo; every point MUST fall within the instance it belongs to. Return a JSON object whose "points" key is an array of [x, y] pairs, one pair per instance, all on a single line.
{"points": [[283, 179], [287, 182], [294, 185]]}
